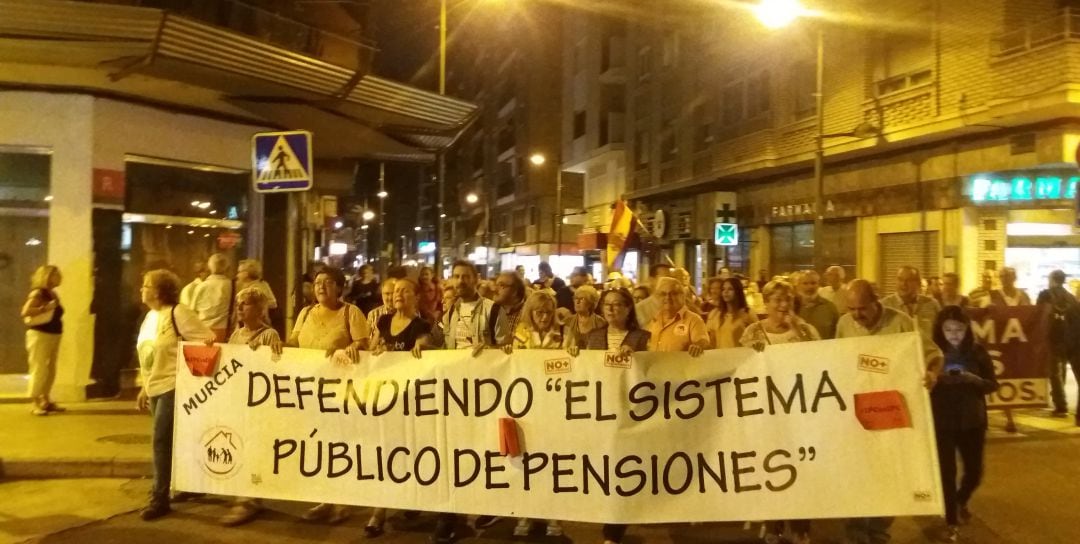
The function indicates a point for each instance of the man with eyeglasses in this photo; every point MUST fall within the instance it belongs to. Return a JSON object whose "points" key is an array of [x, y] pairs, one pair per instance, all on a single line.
{"points": [[675, 327]]}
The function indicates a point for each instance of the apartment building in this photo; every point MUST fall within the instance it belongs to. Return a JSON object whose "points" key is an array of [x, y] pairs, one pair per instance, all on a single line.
{"points": [[950, 137], [502, 206]]}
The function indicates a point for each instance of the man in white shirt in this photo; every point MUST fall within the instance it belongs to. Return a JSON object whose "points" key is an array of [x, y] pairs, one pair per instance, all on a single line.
{"points": [[834, 290], [186, 294], [213, 297]]}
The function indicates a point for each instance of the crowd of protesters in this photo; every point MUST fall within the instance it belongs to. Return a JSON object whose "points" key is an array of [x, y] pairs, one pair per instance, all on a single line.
{"points": [[509, 312]]}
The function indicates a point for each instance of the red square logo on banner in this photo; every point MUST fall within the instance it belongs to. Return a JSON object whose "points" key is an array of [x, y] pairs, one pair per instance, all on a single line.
{"points": [[202, 360], [881, 410]]}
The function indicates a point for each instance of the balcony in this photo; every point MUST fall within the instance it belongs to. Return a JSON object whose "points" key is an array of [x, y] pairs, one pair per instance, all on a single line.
{"points": [[1064, 27], [613, 60]]}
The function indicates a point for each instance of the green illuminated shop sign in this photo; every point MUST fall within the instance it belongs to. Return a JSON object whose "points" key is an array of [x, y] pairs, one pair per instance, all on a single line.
{"points": [[1022, 187]]}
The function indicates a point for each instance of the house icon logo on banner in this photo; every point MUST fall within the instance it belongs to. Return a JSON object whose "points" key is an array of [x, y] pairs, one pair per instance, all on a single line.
{"points": [[281, 161]]}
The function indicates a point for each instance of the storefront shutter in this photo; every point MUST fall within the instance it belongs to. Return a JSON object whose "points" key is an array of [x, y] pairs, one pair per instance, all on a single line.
{"points": [[918, 249]]}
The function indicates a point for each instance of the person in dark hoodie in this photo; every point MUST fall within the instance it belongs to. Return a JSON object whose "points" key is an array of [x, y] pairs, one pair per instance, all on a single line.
{"points": [[959, 405]]}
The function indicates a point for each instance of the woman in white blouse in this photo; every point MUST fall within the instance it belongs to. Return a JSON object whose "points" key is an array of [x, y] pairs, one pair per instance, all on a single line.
{"points": [[165, 325]]}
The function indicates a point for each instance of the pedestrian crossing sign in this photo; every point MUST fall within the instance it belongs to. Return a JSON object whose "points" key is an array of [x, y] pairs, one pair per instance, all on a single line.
{"points": [[727, 234], [281, 161]]}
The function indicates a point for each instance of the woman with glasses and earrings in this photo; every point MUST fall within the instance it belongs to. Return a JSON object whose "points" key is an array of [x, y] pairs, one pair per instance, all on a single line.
{"points": [[620, 333]]}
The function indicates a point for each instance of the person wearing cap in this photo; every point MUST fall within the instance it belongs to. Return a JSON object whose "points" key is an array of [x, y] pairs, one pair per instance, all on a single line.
{"points": [[1061, 303]]}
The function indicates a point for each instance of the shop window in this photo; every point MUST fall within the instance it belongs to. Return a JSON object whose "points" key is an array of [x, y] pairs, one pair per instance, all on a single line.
{"points": [[792, 248], [24, 242]]}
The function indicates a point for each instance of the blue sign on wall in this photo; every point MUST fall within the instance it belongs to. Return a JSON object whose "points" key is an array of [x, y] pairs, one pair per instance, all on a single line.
{"points": [[1022, 187], [281, 161], [727, 234]]}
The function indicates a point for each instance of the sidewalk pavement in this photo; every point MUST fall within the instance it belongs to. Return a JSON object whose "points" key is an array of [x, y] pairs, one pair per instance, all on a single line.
{"points": [[102, 439]]}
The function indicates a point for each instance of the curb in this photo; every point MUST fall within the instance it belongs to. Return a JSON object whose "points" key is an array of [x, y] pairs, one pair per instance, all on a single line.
{"points": [[76, 468]]}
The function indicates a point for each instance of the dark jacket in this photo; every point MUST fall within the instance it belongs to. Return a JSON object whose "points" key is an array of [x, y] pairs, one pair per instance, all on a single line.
{"points": [[637, 339], [962, 406]]}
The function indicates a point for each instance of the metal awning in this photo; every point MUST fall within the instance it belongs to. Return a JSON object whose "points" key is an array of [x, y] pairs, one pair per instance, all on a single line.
{"points": [[388, 120]]}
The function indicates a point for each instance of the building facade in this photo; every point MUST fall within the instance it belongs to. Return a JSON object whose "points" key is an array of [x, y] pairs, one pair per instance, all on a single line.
{"points": [[502, 206], [949, 138]]}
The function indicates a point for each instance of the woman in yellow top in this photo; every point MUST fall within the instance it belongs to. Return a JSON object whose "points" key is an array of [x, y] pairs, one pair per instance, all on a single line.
{"points": [[332, 325], [727, 321]]}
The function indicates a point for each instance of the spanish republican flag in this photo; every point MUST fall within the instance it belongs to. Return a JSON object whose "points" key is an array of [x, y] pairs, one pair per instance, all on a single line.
{"points": [[623, 227]]}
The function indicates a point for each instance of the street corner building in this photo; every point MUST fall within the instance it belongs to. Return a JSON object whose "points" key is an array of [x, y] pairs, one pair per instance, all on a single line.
{"points": [[125, 145]]}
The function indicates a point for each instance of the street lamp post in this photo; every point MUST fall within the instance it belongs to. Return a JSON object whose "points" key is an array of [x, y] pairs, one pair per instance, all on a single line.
{"points": [[538, 159], [781, 13]]}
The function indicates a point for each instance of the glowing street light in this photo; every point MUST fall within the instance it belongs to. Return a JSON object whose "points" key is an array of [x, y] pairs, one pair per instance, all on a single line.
{"points": [[338, 224], [538, 159], [778, 13], [417, 229], [472, 198], [382, 193], [368, 215]]}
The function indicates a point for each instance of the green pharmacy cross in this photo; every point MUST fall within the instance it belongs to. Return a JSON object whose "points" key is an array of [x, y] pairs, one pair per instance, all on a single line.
{"points": [[727, 234]]}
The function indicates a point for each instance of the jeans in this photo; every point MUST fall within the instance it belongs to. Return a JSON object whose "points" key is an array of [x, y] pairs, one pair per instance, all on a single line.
{"points": [[970, 442], [1057, 382], [869, 530], [161, 409]]}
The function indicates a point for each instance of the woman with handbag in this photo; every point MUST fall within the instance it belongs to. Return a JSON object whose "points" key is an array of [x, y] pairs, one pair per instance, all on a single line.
{"points": [[166, 324], [43, 314]]}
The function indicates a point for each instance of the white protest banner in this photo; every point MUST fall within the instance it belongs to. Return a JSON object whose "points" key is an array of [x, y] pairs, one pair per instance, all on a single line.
{"points": [[839, 428]]}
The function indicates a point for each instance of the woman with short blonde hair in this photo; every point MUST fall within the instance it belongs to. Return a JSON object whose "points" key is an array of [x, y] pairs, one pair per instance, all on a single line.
{"points": [[43, 316]]}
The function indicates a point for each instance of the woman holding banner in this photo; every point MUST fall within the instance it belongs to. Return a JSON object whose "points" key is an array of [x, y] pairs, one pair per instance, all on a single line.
{"points": [[166, 324], [622, 334], [959, 405], [403, 330], [331, 325], [731, 315], [538, 330], [780, 326], [253, 330]]}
